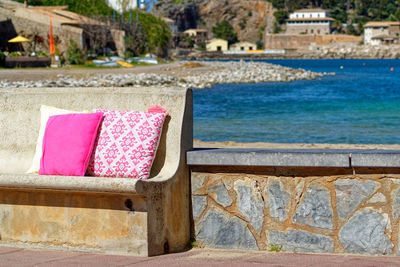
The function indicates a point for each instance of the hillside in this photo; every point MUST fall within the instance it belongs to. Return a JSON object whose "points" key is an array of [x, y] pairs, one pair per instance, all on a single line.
{"points": [[249, 18], [356, 11]]}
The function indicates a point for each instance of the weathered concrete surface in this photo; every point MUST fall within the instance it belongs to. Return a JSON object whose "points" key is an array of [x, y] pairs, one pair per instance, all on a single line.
{"points": [[365, 233], [270, 157], [315, 209], [90, 222], [301, 241], [165, 223], [350, 193], [221, 231]]}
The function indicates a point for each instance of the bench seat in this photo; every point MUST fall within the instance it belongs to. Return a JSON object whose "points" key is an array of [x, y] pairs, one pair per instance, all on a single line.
{"points": [[97, 214]]}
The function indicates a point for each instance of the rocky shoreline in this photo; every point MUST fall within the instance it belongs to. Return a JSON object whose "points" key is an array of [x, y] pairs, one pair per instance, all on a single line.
{"points": [[200, 74]]}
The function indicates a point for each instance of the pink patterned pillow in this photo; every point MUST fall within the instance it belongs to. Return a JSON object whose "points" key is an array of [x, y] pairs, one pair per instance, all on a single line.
{"points": [[68, 143], [126, 144]]}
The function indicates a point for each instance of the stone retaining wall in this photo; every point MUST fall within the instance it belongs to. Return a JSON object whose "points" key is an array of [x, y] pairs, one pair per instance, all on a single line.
{"points": [[323, 214]]}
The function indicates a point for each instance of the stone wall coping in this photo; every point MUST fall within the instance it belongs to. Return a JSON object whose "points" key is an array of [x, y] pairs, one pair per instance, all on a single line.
{"points": [[345, 158]]}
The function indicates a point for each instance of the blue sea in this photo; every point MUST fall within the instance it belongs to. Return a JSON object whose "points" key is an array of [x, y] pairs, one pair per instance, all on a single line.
{"points": [[359, 105]]}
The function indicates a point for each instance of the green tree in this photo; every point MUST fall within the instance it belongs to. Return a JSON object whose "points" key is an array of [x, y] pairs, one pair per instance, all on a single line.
{"points": [[260, 45], [85, 7], [74, 54], [224, 30], [157, 32], [277, 28], [281, 16]]}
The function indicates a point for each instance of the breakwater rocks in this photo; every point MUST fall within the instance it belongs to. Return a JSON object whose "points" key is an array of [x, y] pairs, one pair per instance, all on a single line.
{"points": [[354, 51], [196, 76]]}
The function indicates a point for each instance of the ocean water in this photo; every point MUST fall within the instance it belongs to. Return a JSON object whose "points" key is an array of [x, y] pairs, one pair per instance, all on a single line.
{"points": [[359, 105]]}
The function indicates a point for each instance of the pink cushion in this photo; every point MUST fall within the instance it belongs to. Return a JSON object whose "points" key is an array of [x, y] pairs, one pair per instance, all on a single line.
{"points": [[157, 109], [126, 144], [68, 143]]}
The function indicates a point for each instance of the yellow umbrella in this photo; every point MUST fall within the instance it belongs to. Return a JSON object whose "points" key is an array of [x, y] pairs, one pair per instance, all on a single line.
{"points": [[19, 39]]}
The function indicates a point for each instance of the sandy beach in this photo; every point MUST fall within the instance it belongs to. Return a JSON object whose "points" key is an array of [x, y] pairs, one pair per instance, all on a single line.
{"points": [[230, 144]]}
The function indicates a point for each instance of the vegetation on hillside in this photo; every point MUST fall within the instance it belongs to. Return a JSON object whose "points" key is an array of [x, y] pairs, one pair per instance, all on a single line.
{"points": [[144, 32], [85, 7], [224, 30], [347, 10]]}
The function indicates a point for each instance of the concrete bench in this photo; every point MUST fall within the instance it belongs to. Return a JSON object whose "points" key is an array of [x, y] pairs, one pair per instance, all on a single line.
{"points": [[107, 215]]}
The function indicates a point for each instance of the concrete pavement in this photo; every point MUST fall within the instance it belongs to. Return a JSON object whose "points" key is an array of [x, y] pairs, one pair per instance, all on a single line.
{"points": [[10, 256]]}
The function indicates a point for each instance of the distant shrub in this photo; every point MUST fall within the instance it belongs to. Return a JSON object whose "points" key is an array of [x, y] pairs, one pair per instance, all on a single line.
{"points": [[14, 54], [156, 32], [281, 16], [260, 45], [201, 46], [2, 59], [41, 54], [243, 23], [74, 54]]}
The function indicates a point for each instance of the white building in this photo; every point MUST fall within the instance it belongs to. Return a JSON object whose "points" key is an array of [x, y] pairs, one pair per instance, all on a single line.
{"points": [[381, 32], [243, 46], [309, 21]]}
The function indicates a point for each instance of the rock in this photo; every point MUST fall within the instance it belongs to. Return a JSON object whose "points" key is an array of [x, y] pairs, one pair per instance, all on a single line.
{"points": [[364, 233], [219, 72], [396, 203], [250, 203], [197, 181], [218, 230], [277, 199], [377, 198], [315, 208], [199, 203], [220, 195], [301, 241], [350, 193]]}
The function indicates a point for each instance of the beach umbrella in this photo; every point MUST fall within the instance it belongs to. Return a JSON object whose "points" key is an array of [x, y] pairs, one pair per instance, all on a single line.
{"points": [[19, 39]]}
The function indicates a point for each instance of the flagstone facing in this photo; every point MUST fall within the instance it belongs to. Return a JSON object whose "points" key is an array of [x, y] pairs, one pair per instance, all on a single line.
{"points": [[325, 214]]}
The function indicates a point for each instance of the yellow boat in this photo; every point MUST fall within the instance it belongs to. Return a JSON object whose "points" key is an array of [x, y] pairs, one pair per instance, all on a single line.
{"points": [[124, 64]]}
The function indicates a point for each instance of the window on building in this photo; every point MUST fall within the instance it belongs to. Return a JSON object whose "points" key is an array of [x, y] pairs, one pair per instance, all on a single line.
{"points": [[242, 48], [250, 48], [312, 30], [303, 15], [219, 48]]}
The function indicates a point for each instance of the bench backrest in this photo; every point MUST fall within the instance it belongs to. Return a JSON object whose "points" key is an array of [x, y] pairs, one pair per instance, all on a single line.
{"points": [[20, 119]]}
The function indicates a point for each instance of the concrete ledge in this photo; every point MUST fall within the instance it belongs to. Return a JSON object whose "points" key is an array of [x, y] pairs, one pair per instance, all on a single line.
{"points": [[345, 158], [69, 184], [376, 158]]}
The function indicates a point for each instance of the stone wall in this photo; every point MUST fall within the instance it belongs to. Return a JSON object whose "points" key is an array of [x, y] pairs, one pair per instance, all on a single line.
{"points": [[308, 28], [27, 28], [303, 41], [323, 214]]}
